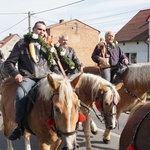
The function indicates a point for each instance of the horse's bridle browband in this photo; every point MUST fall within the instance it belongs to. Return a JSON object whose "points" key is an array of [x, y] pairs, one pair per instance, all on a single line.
{"points": [[57, 131]]}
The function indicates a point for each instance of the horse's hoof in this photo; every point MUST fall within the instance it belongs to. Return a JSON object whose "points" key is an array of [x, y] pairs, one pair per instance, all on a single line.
{"points": [[106, 141], [94, 132]]}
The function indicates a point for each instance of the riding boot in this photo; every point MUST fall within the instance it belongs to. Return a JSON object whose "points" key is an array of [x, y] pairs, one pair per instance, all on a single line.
{"points": [[17, 132]]}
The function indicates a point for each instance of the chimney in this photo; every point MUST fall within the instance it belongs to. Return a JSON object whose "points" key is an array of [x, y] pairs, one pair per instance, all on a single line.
{"points": [[61, 20]]}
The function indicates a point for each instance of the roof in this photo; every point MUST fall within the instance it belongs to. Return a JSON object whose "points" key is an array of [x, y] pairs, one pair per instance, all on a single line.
{"points": [[6, 39], [64, 22], [136, 29]]}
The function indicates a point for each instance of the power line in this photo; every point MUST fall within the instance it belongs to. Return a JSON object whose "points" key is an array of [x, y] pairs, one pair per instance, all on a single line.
{"points": [[58, 7], [14, 25]]}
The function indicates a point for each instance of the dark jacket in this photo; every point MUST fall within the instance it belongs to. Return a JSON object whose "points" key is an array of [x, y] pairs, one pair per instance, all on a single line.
{"points": [[71, 55], [21, 57], [116, 56]]}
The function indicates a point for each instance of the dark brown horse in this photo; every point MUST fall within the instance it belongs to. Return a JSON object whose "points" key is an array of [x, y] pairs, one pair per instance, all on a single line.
{"points": [[132, 85], [136, 133], [54, 115]]}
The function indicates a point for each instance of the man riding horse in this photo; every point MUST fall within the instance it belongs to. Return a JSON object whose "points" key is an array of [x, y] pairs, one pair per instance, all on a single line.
{"points": [[108, 56]]}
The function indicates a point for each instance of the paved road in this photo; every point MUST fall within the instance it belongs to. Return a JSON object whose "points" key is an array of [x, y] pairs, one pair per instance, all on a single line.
{"points": [[96, 140]]}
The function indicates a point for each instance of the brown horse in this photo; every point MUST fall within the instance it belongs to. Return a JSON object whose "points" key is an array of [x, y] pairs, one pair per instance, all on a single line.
{"points": [[136, 133], [94, 89], [54, 115], [132, 85]]}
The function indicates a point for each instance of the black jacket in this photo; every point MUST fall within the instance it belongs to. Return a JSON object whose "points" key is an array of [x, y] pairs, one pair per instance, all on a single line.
{"points": [[21, 57]]}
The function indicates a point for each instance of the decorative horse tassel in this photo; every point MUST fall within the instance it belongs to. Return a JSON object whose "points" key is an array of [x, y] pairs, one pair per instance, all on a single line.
{"points": [[131, 147], [49, 122], [81, 118], [98, 105]]}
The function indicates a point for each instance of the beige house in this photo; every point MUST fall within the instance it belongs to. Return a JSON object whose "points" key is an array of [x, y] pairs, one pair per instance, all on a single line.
{"points": [[82, 37], [8, 43]]}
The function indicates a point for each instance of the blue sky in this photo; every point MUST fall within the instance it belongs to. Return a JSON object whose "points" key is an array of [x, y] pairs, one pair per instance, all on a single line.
{"points": [[103, 15]]}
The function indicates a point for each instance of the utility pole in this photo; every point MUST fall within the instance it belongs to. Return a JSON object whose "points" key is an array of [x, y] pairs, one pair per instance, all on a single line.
{"points": [[29, 21]]}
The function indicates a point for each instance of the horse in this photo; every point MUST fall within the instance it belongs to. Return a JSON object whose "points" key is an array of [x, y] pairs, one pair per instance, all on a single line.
{"points": [[132, 84], [136, 133], [96, 90], [54, 115]]}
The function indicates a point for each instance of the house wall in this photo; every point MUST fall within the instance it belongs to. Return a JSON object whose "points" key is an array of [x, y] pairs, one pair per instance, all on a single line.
{"points": [[83, 40], [141, 49], [9, 45]]}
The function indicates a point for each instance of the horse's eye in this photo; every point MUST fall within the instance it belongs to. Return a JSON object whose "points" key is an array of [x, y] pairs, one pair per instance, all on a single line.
{"points": [[56, 108]]}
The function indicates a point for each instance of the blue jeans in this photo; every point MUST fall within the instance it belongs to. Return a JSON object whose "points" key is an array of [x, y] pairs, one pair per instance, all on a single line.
{"points": [[22, 99]]}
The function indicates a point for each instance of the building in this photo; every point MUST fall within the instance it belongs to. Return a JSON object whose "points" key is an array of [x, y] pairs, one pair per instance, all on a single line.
{"points": [[82, 37], [134, 37], [8, 43]]}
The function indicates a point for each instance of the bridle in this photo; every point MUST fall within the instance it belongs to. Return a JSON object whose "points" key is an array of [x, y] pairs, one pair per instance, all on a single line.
{"points": [[54, 127], [101, 100]]}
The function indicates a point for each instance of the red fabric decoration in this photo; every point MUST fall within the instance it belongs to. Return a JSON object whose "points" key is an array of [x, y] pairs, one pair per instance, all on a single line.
{"points": [[49, 122], [98, 105], [131, 147], [81, 117]]}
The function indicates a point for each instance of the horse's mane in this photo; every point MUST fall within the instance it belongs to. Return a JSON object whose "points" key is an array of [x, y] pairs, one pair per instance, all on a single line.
{"points": [[93, 82], [65, 89], [139, 72]]}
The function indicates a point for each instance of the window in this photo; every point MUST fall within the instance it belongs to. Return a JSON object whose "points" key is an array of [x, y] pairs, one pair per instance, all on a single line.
{"points": [[132, 57], [75, 27]]}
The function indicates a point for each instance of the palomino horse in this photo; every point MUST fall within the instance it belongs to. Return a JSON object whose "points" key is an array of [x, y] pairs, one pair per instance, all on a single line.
{"points": [[94, 89], [132, 86], [54, 115], [136, 133]]}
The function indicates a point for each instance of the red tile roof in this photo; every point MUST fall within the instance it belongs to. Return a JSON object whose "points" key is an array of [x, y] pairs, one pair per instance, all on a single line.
{"points": [[6, 39], [64, 22], [136, 29]]}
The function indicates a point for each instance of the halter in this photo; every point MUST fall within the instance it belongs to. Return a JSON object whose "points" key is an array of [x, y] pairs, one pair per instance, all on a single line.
{"points": [[55, 129]]}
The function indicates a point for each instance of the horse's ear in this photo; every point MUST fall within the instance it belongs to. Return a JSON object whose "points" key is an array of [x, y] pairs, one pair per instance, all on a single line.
{"points": [[76, 81], [103, 87], [52, 82]]}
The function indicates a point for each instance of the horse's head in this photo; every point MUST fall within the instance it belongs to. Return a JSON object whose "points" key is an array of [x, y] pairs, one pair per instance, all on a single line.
{"points": [[106, 102], [65, 110]]}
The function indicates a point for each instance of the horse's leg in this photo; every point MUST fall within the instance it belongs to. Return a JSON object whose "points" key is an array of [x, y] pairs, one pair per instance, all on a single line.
{"points": [[106, 136], [42, 146], [9, 145], [27, 141], [55, 145], [93, 127], [86, 128]]}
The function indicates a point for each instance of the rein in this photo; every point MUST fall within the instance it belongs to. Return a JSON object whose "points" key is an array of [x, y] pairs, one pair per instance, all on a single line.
{"points": [[131, 93]]}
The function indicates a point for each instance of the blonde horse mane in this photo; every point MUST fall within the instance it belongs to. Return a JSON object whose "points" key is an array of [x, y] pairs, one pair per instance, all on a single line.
{"points": [[94, 81], [65, 89], [139, 72]]}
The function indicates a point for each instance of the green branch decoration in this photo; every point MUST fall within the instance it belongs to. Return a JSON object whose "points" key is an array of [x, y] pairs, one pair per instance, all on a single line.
{"points": [[112, 45], [62, 56], [30, 37]]}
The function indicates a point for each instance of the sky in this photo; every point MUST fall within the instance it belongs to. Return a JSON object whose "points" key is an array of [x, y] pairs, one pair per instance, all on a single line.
{"points": [[103, 15]]}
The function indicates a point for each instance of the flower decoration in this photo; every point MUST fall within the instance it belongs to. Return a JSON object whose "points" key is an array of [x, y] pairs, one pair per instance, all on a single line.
{"points": [[30, 37], [112, 45], [62, 56]]}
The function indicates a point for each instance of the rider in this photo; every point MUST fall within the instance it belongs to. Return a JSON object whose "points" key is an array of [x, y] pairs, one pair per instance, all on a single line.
{"points": [[30, 54], [67, 56], [113, 58]]}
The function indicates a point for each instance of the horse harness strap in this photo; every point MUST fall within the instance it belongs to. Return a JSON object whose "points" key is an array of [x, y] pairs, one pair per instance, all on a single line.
{"points": [[138, 126], [54, 128], [132, 94]]}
